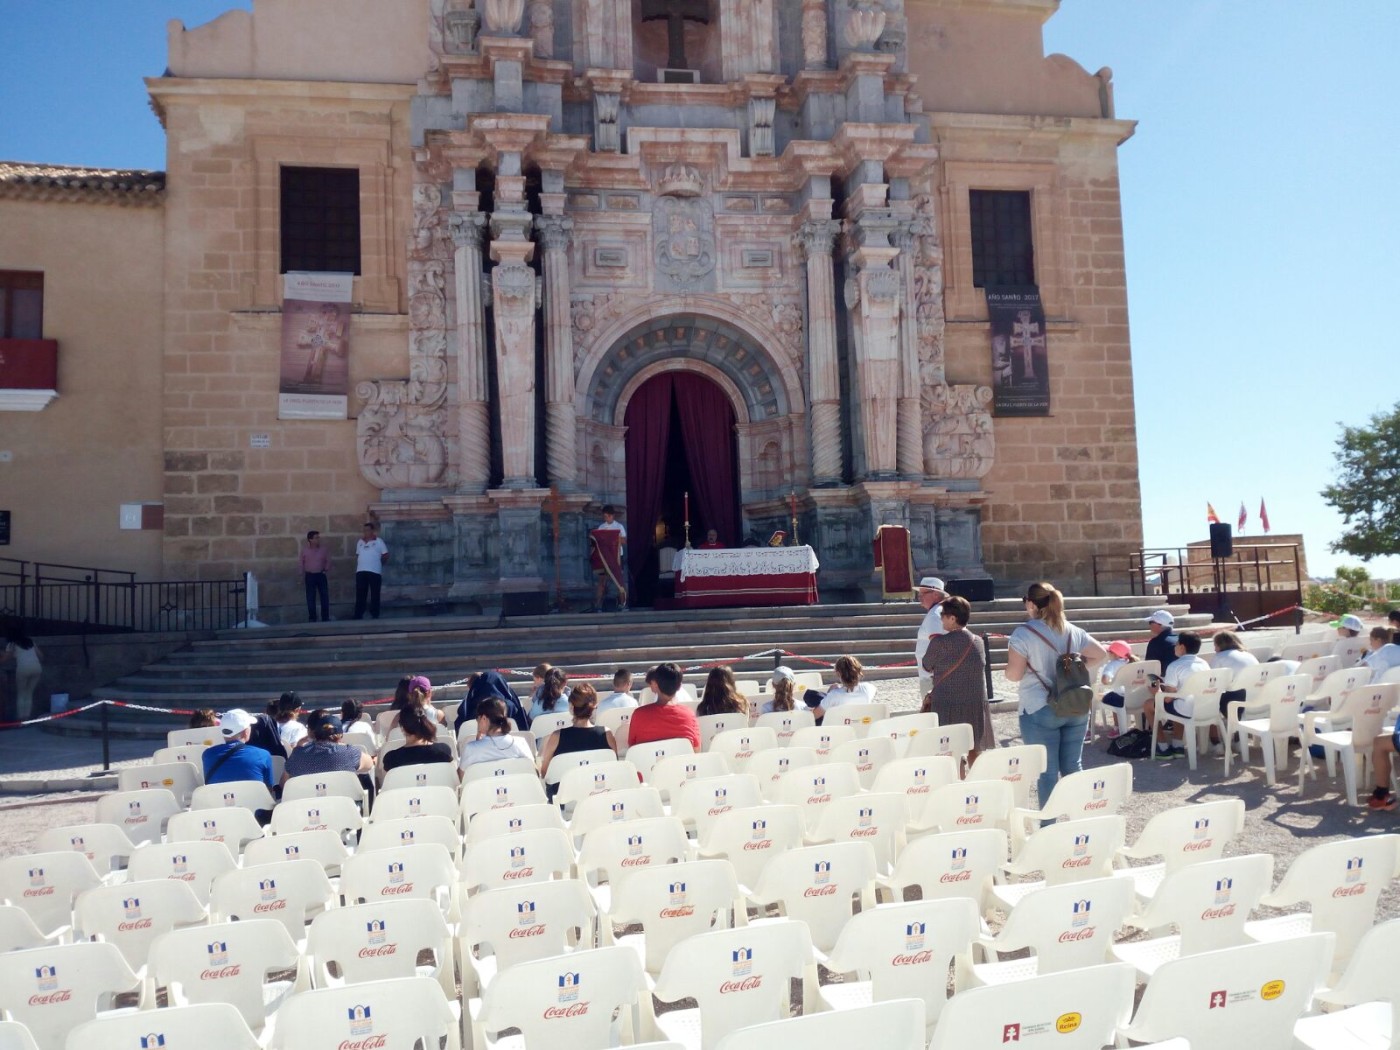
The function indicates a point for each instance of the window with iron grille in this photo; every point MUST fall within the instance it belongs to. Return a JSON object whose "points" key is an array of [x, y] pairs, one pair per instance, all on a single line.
{"points": [[21, 304], [1002, 249], [321, 220]]}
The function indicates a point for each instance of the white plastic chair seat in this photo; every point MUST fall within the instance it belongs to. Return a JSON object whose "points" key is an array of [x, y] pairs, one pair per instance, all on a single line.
{"points": [[426, 774], [633, 803], [713, 725], [1367, 709], [433, 800], [611, 852], [250, 794], [1071, 851], [917, 778], [226, 963], [290, 891], [142, 814], [860, 717], [699, 802], [955, 740], [102, 844], [504, 768], [671, 771], [820, 885], [206, 737], [402, 1011], [406, 831], [823, 738], [878, 819], [1204, 689], [45, 885], [812, 788], [133, 914], [548, 722], [1100, 791], [1370, 1026], [1181, 836], [674, 901], [179, 778], [1019, 765], [489, 824], [953, 864], [491, 793], [964, 806], [517, 924], [569, 761], [897, 1023], [234, 826], [1282, 700], [213, 1026], [336, 812], [619, 721], [420, 869], [17, 931], [379, 941], [901, 729], [785, 723], [739, 746], [646, 756], [770, 767], [534, 855], [51, 990], [196, 864], [585, 781], [14, 1036], [750, 837], [339, 783], [868, 755]]}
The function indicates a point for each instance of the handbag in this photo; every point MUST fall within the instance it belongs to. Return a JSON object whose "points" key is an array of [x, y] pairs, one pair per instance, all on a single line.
{"points": [[1071, 695]]}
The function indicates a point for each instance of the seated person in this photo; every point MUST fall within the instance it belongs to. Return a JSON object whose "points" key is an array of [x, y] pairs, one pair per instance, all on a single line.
{"points": [[1187, 663], [784, 685], [1162, 645], [420, 746], [712, 542], [324, 752], [849, 689], [582, 735], [665, 719], [359, 730], [621, 696], [235, 758], [486, 684], [1120, 654], [1230, 655], [1384, 654], [553, 695], [1349, 628], [494, 741], [721, 695]]}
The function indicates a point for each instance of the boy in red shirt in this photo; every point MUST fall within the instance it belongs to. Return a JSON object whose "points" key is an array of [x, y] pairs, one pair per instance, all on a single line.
{"points": [[665, 719]]}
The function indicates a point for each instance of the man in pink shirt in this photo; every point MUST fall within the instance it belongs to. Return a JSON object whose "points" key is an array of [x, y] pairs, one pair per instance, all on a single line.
{"points": [[664, 719], [315, 564]]}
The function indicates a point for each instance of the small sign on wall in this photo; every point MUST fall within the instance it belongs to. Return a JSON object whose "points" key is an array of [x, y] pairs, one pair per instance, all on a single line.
{"points": [[142, 516], [259, 440]]}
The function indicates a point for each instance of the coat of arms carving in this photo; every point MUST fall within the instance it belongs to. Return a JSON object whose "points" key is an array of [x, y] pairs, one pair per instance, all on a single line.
{"points": [[684, 232]]}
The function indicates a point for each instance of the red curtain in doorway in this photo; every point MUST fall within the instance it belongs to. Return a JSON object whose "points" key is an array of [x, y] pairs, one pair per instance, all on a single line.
{"points": [[707, 427], [648, 423]]}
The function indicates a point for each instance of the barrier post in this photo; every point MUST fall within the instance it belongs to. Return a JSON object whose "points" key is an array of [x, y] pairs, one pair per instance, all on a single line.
{"points": [[106, 742], [777, 658], [1298, 618], [986, 665]]}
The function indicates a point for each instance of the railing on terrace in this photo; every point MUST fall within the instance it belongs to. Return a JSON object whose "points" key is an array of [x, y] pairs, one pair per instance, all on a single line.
{"points": [[52, 598]]}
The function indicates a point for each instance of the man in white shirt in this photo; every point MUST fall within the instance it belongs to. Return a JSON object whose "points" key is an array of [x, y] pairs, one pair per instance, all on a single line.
{"points": [[370, 556], [621, 696], [1187, 663], [931, 595], [601, 572]]}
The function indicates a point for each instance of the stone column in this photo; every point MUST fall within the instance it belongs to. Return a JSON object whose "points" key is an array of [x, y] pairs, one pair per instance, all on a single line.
{"points": [[872, 296], [561, 453], [910, 452], [817, 237], [473, 407], [513, 295]]}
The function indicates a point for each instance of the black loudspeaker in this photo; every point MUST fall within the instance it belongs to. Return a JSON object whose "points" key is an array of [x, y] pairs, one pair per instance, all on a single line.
{"points": [[524, 603], [1222, 543], [972, 590]]}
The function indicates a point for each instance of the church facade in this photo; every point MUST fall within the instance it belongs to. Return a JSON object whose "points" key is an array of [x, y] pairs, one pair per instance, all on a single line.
{"points": [[717, 262]]}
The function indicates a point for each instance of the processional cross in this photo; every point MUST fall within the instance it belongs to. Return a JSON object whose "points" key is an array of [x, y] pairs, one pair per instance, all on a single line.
{"points": [[1027, 338], [676, 13]]}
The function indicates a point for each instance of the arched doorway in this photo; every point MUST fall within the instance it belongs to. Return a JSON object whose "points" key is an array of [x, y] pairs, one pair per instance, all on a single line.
{"points": [[680, 440]]}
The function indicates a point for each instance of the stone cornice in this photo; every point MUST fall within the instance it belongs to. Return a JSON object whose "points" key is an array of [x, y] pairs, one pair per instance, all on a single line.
{"points": [[1042, 9], [1021, 126]]}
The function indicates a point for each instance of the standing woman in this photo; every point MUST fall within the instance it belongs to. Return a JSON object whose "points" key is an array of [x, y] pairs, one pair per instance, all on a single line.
{"points": [[1030, 660], [956, 662], [20, 648], [583, 735]]}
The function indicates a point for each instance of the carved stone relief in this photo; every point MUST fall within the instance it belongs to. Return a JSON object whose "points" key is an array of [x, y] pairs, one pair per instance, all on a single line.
{"points": [[959, 441], [683, 229]]}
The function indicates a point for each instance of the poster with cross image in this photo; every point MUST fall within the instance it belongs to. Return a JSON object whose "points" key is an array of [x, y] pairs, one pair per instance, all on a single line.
{"points": [[1020, 363]]}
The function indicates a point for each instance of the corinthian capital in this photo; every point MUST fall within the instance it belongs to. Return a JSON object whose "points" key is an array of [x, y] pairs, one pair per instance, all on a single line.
{"points": [[553, 231], [818, 236], [466, 228]]}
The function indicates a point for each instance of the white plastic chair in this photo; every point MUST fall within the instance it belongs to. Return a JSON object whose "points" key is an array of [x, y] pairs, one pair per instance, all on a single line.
{"points": [[336, 812], [1131, 682], [632, 803], [1071, 851], [191, 753], [431, 801], [619, 720], [323, 846], [737, 977], [45, 885], [17, 931], [963, 806], [290, 891], [770, 766], [671, 771], [105, 845], [53, 989], [953, 864], [507, 926], [133, 914], [504, 768], [1369, 990], [897, 1023], [550, 721], [480, 796], [179, 778], [141, 813], [403, 1011], [712, 725], [1019, 765], [646, 756], [1283, 699], [14, 1036], [900, 729], [698, 802], [491, 824], [901, 951], [214, 1026], [1246, 996], [915, 778], [739, 746], [233, 826], [560, 765], [206, 737], [337, 784], [568, 1001], [426, 774], [672, 902], [423, 869], [1203, 688], [785, 723], [585, 781], [868, 755], [1341, 882], [811, 788], [227, 962], [1367, 709], [250, 794], [860, 717], [878, 819], [611, 852], [1079, 1009], [196, 864], [379, 941], [1389, 677], [407, 831], [751, 836], [823, 738], [1065, 927], [955, 740], [1181, 835], [821, 885], [1101, 791], [1312, 646], [1336, 685], [536, 855], [1208, 904]]}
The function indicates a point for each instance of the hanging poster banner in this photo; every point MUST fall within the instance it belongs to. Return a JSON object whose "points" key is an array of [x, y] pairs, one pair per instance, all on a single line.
{"points": [[1020, 365], [314, 381]]}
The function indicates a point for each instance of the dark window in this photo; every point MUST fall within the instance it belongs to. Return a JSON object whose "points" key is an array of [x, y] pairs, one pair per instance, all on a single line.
{"points": [[321, 220], [1002, 251], [21, 305]]}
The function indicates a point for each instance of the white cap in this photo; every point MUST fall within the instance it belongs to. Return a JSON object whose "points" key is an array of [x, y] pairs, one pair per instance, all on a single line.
{"points": [[932, 583], [784, 672], [234, 721], [1350, 621], [1163, 617]]}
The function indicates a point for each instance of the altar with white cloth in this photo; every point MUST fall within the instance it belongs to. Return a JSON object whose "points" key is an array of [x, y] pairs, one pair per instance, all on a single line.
{"points": [[746, 576]]}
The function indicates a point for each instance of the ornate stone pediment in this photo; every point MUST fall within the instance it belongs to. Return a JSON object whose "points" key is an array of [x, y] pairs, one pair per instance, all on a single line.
{"points": [[683, 232]]}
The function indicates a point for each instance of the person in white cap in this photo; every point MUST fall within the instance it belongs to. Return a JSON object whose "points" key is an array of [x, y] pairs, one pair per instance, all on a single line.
{"points": [[931, 595], [1349, 629], [235, 758], [1162, 645]]}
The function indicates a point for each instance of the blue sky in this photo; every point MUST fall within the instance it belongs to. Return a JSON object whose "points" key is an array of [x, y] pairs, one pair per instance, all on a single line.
{"points": [[1258, 201]]}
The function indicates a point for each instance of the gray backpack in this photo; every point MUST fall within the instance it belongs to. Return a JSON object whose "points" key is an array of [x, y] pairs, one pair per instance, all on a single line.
{"points": [[1070, 695]]}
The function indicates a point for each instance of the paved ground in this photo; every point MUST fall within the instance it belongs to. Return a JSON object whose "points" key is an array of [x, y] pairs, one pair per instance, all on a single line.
{"points": [[1280, 820]]}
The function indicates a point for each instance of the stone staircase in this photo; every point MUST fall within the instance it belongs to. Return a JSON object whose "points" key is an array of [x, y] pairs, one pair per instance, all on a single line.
{"points": [[326, 663]]}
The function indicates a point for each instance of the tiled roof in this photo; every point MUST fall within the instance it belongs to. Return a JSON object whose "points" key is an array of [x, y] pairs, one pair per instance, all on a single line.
{"points": [[67, 183]]}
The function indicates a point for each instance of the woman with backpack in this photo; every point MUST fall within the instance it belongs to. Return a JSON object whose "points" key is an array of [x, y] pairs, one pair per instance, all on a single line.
{"points": [[1054, 707]]}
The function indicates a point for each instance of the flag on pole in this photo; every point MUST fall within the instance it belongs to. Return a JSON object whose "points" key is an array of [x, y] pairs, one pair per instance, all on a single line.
{"points": [[1263, 515], [1211, 517], [1244, 517]]}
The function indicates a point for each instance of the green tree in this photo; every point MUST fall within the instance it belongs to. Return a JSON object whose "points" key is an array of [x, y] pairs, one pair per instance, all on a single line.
{"points": [[1367, 489]]}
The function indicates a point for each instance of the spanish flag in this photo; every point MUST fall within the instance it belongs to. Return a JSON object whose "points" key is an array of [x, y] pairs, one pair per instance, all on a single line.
{"points": [[1211, 517]]}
